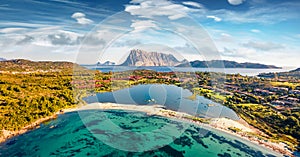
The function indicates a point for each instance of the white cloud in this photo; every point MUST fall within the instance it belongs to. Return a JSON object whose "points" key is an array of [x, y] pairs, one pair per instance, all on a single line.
{"points": [[11, 30], [255, 31], [235, 2], [264, 46], [139, 25], [81, 19], [217, 19], [157, 8], [225, 37], [267, 14], [238, 52], [193, 4]]}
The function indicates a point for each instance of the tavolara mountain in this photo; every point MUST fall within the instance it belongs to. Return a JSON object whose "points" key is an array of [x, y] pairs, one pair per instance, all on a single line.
{"points": [[143, 58]]}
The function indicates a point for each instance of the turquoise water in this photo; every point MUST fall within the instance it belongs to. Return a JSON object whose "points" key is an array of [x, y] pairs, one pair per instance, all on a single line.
{"points": [[124, 133]]}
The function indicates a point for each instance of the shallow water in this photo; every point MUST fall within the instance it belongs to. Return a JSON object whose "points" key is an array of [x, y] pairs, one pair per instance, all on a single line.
{"points": [[125, 133]]}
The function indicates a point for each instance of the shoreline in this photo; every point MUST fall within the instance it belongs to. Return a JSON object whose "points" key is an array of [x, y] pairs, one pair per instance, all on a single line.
{"points": [[8, 135], [218, 124]]}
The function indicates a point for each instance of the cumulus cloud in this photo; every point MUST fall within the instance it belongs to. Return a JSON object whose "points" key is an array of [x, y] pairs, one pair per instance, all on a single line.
{"points": [[25, 40], [235, 2], [238, 52], [81, 19], [155, 8], [139, 25], [193, 4], [264, 46], [217, 19]]}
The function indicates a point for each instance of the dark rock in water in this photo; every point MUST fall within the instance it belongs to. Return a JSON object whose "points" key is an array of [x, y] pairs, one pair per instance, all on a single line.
{"points": [[224, 155], [135, 121], [171, 151]]}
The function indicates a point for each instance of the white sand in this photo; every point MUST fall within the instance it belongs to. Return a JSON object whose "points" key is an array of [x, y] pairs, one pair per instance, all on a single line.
{"points": [[221, 124]]}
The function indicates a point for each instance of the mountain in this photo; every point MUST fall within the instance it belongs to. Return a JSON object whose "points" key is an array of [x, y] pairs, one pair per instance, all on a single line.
{"points": [[293, 73], [296, 70], [107, 63], [226, 64], [27, 65], [138, 57], [2, 59]]}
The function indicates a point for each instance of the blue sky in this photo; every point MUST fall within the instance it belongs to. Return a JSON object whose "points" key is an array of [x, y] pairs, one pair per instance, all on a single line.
{"points": [[265, 31]]}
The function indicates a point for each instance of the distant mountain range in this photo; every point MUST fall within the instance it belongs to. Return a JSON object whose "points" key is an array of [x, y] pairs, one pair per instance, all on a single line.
{"points": [[142, 58], [107, 63], [2, 59], [296, 70], [226, 64], [293, 73], [27, 65]]}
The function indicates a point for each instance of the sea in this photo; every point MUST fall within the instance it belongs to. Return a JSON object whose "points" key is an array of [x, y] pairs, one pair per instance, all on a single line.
{"points": [[131, 133], [242, 71]]}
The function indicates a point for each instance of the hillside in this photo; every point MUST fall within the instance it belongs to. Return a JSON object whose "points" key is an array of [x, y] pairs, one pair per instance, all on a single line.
{"points": [[21, 65], [293, 73], [142, 58], [226, 64]]}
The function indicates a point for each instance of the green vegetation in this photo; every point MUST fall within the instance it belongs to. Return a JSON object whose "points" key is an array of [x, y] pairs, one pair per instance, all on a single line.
{"points": [[279, 126], [26, 98], [197, 119], [33, 92], [234, 129], [285, 84]]}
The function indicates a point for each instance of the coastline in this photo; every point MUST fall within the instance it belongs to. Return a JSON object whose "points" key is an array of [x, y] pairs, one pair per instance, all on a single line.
{"points": [[218, 124], [7, 135]]}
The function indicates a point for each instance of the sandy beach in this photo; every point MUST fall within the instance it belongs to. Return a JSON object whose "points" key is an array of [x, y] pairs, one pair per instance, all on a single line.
{"points": [[222, 124], [245, 131]]}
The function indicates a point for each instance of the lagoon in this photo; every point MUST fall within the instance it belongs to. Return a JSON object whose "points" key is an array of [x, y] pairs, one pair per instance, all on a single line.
{"points": [[172, 97]]}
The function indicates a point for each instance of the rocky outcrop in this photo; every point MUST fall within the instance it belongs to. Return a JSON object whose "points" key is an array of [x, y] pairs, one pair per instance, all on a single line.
{"points": [[107, 63], [138, 57]]}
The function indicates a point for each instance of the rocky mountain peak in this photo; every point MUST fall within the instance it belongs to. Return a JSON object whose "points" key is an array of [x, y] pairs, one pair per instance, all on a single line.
{"points": [[139, 57]]}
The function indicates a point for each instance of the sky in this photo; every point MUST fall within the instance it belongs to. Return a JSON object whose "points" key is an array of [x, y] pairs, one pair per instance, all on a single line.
{"points": [[85, 32]]}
